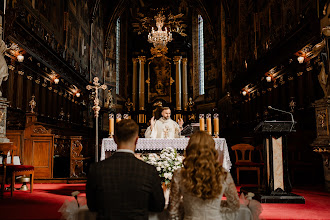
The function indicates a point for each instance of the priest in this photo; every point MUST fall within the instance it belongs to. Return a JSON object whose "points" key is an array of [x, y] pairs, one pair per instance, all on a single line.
{"points": [[165, 127]]}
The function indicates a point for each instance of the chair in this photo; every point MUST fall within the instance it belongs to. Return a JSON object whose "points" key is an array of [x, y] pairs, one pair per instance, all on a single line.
{"points": [[244, 163], [16, 170]]}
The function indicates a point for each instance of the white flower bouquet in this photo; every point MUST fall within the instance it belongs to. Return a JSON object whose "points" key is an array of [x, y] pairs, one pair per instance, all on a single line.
{"points": [[166, 162]]}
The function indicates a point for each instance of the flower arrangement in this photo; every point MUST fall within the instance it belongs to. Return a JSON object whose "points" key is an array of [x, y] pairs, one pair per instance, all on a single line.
{"points": [[166, 162]]}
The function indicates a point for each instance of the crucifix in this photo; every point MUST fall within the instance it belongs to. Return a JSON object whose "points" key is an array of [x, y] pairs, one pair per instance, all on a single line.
{"points": [[96, 109]]}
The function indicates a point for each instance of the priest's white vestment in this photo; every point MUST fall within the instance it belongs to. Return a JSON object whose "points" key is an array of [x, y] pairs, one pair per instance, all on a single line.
{"points": [[163, 129]]}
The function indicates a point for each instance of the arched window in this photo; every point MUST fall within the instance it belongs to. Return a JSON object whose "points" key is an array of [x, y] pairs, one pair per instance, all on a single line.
{"points": [[201, 54], [117, 53]]}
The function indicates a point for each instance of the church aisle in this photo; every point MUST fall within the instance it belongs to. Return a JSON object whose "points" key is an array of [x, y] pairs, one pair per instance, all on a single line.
{"points": [[46, 200]]}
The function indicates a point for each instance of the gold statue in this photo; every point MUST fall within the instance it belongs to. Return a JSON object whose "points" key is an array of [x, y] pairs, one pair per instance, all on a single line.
{"points": [[190, 104], [129, 104]]}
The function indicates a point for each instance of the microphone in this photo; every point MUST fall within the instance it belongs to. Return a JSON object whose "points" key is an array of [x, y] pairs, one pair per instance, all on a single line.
{"points": [[270, 107]]}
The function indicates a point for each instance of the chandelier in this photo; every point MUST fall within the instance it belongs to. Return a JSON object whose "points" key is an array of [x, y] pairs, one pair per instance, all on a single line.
{"points": [[160, 38]]}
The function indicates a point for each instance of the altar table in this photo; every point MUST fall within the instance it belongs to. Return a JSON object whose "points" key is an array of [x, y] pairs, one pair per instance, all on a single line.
{"points": [[108, 144]]}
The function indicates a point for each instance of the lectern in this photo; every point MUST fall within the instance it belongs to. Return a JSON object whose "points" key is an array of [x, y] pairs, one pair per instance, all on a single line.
{"points": [[276, 176]]}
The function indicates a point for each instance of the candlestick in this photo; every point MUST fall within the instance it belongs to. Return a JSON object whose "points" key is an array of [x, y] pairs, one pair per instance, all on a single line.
{"points": [[216, 125], [111, 125], [125, 116], [118, 117], [209, 124], [201, 122]]}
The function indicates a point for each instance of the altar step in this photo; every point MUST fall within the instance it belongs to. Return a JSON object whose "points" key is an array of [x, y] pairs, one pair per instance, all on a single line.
{"points": [[62, 180]]}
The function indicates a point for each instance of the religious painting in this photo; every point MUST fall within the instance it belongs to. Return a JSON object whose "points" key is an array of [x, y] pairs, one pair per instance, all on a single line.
{"points": [[73, 32], [84, 14], [97, 64], [159, 79], [43, 7], [52, 11], [83, 47]]}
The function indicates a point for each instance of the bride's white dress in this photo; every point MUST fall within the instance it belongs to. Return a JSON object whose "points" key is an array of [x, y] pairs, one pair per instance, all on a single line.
{"points": [[184, 205]]}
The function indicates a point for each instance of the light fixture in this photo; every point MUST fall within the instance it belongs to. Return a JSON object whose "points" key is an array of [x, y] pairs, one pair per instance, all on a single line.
{"points": [[300, 59], [56, 80], [244, 93], [78, 94], [268, 78], [20, 58], [160, 38]]}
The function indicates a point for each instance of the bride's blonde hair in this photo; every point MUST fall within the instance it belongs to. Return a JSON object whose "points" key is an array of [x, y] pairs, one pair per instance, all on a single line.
{"points": [[202, 173]]}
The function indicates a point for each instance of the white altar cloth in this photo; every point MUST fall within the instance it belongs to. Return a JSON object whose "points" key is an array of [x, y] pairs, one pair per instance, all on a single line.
{"points": [[108, 144]]}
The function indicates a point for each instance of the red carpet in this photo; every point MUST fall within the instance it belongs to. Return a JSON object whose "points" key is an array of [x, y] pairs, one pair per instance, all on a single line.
{"points": [[46, 199]]}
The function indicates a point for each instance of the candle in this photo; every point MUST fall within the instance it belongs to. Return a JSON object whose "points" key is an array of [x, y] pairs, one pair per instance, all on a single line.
{"points": [[209, 124], [201, 122], [111, 125], [118, 117], [216, 124]]}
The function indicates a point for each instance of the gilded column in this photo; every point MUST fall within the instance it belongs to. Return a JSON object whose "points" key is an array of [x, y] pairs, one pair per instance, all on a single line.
{"points": [[223, 51], [185, 83], [177, 62], [135, 60], [142, 61]]}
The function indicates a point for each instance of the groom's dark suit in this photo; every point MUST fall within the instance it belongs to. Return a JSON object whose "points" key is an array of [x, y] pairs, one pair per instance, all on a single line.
{"points": [[124, 187]]}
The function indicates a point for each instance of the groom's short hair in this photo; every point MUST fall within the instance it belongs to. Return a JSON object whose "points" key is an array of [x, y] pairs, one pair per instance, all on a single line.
{"points": [[126, 129], [165, 108]]}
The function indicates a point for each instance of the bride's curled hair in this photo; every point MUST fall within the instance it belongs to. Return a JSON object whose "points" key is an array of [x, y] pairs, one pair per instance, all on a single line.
{"points": [[202, 173]]}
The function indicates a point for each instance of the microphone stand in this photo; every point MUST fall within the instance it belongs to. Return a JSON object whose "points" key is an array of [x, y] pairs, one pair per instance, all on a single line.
{"points": [[270, 107]]}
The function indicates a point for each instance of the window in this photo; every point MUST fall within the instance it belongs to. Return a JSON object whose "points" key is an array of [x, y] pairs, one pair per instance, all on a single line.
{"points": [[117, 53], [201, 54]]}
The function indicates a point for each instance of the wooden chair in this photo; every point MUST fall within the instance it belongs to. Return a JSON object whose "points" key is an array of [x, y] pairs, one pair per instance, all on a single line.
{"points": [[244, 163], [16, 170]]}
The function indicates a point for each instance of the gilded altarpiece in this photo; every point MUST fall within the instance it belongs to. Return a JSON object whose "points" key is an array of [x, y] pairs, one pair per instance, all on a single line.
{"points": [[159, 79]]}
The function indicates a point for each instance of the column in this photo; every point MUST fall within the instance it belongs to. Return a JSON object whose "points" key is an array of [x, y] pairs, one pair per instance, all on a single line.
{"points": [[223, 51], [177, 62], [134, 84], [142, 61], [185, 83]]}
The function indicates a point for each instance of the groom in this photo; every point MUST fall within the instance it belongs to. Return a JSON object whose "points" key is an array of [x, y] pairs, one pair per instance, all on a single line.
{"points": [[123, 187]]}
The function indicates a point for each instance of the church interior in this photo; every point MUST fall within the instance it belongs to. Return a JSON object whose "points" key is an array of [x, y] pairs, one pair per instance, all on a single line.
{"points": [[71, 69]]}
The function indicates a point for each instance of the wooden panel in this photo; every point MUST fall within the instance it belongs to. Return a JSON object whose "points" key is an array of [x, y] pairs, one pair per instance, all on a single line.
{"points": [[16, 136], [43, 157], [27, 153]]}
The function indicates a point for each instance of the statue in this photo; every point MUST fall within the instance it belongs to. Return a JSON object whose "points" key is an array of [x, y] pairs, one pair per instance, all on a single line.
{"points": [[3, 64], [323, 79], [129, 104], [190, 104], [109, 99], [32, 104]]}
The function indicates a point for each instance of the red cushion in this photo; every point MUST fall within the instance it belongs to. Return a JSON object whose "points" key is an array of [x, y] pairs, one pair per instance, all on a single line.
{"points": [[19, 167], [250, 164]]}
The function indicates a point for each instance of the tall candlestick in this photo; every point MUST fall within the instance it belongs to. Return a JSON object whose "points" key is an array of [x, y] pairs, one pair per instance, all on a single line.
{"points": [[201, 122], [216, 125], [209, 124], [118, 117], [111, 125]]}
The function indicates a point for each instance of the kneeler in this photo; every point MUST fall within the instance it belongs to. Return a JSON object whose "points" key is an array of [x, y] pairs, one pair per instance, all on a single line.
{"points": [[17, 170]]}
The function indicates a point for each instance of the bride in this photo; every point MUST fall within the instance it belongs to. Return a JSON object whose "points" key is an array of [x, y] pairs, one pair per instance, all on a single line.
{"points": [[198, 187]]}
